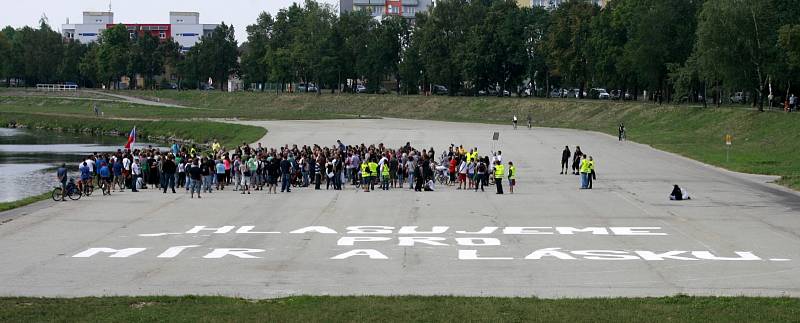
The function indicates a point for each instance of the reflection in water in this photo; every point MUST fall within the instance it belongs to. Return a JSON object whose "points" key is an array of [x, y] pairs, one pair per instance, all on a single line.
{"points": [[29, 158]]}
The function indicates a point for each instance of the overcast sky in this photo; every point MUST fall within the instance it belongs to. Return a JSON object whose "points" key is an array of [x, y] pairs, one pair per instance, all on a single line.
{"points": [[239, 13]]}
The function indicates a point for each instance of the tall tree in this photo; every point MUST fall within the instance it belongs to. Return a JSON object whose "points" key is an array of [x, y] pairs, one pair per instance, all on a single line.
{"points": [[659, 34], [146, 59], [736, 45], [215, 57], [352, 28], [5, 52], [536, 23], [113, 55], [69, 67], [88, 66], [568, 42], [441, 42], [254, 64]]}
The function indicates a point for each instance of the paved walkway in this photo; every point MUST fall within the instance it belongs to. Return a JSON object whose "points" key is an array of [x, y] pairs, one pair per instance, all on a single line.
{"points": [[136, 100], [739, 235]]}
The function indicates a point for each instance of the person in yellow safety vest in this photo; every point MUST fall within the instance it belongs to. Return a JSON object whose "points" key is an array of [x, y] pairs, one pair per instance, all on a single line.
{"points": [[193, 152], [590, 175], [499, 170], [373, 173], [584, 170], [469, 156], [365, 177], [512, 176], [385, 176], [216, 146]]}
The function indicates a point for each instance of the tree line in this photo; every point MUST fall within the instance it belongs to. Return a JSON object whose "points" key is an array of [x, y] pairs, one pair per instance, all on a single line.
{"points": [[673, 50], [36, 56]]}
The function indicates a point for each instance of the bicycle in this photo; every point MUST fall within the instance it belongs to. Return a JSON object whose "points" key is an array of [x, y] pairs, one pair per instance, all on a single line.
{"points": [[86, 187], [441, 176], [72, 191], [105, 186]]}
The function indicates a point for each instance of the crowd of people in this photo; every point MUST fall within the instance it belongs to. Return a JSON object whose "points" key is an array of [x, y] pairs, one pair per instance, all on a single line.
{"points": [[247, 169]]}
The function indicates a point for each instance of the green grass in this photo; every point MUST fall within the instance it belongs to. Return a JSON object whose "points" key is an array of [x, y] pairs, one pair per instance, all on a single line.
{"points": [[197, 131], [399, 309], [5, 206], [764, 142]]}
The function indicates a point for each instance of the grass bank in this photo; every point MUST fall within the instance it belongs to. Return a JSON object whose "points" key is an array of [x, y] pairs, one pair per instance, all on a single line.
{"points": [[764, 142], [399, 309], [5, 206], [194, 131]]}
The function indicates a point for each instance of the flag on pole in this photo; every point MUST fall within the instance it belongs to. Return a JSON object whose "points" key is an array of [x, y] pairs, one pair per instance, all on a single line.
{"points": [[131, 138]]}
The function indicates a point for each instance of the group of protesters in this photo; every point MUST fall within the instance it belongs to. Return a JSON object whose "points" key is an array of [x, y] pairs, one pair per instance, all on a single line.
{"points": [[246, 169]]}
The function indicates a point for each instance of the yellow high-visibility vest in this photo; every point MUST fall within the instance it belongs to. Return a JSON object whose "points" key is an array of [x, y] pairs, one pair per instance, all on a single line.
{"points": [[585, 166], [499, 170], [373, 168]]}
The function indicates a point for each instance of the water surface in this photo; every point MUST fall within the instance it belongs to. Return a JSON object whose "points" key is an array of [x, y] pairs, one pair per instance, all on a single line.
{"points": [[29, 158]]}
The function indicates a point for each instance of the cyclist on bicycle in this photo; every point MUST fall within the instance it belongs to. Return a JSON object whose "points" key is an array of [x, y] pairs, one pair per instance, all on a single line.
{"points": [[530, 121], [61, 173], [105, 178]]}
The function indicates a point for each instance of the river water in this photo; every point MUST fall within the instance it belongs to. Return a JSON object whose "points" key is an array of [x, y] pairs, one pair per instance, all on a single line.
{"points": [[29, 158]]}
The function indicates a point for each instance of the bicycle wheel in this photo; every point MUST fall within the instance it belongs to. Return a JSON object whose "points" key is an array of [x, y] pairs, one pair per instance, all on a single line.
{"points": [[88, 189], [57, 194], [74, 193]]}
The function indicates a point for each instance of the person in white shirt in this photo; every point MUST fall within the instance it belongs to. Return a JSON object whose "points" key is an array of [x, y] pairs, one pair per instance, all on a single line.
{"points": [[462, 174], [136, 172]]}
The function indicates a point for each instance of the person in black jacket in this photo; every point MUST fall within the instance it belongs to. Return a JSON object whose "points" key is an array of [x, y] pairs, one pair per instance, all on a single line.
{"points": [[286, 171], [565, 160], [168, 169], [576, 160]]}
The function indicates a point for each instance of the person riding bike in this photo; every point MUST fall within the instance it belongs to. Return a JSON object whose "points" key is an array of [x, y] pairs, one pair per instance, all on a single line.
{"points": [[530, 122]]}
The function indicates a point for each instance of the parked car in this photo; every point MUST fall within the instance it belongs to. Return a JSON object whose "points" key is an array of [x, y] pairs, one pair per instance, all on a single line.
{"points": [[169, 86], [555, 93], [439, 89], [490, 91], [310, 87], [600, 93], [360, 88], [574, 93], [739, 98]]}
